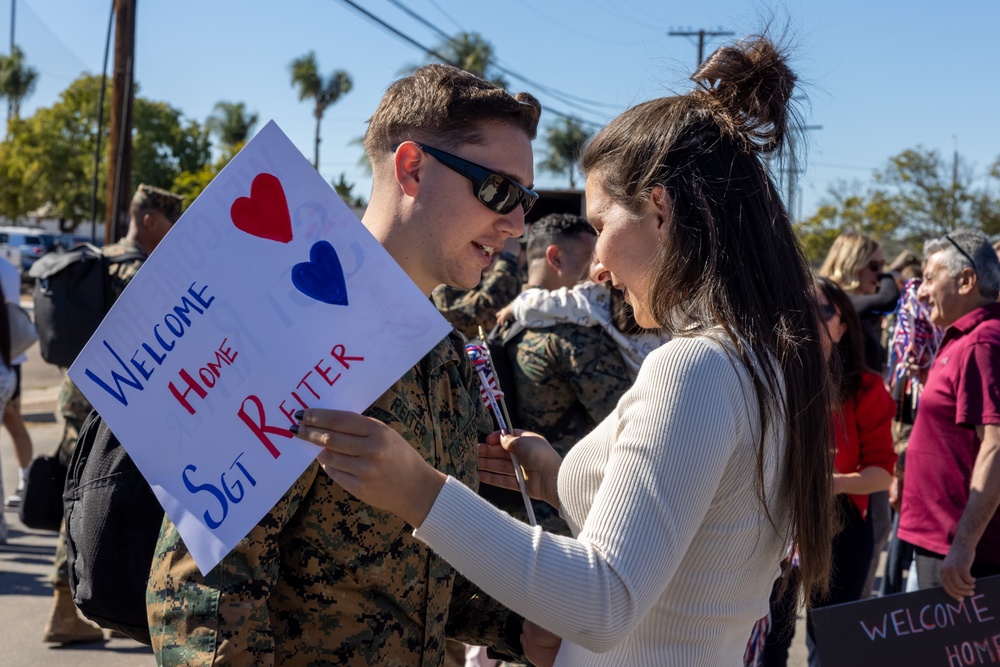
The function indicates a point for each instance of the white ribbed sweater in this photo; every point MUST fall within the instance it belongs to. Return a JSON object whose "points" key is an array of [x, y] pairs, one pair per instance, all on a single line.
{"points": [[673, 558]]}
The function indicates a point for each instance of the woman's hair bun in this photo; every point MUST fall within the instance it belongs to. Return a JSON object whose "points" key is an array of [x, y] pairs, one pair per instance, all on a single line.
{"points": [[748, 86]]}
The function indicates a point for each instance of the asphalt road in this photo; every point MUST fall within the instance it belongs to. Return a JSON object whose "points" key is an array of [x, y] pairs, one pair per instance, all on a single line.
{"points": [[26, 559]]}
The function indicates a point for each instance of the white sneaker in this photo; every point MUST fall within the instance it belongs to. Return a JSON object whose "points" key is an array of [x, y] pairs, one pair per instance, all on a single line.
{"points": [[13, 501]]}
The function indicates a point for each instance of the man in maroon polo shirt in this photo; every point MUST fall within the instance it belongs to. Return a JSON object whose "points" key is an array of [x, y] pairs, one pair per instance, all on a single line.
{"points": [[952, 490]]}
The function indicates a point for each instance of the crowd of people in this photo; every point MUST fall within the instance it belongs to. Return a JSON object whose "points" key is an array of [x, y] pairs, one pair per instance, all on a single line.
{"points": [[712, 433]]}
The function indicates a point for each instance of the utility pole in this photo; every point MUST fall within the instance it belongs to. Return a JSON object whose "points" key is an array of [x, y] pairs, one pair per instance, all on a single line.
{"points": [[701, 35], [10, 102], [954, 184], [120, 127], [792, 171]]}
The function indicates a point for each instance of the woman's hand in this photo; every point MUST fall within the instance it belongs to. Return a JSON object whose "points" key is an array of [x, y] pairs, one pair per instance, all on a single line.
{"points": [[540, 646], [538, 460], [373, 463]]}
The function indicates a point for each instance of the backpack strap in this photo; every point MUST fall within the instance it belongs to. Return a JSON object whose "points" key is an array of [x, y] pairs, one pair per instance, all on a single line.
{"points": [[127, 256]]}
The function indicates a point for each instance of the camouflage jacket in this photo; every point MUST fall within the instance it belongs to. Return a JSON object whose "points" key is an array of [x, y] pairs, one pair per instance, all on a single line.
{"points": [[72, 404], [325, 579], [568, 379], [467, 310]]}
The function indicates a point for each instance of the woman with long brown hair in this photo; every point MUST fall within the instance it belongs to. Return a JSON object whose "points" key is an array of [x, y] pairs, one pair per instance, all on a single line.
{"points": [[856, 262], [863, 464], [682, 500]]}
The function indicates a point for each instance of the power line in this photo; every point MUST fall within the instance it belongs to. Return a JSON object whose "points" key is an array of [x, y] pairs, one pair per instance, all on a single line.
{"points": [[701, 35], [403, 36], [792, 170], [445, 14], [564, 97], [431, 52], [414, 15], [562, 25]]}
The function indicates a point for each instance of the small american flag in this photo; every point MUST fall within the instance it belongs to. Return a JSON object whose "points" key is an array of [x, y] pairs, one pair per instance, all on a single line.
{"points": [[480, 359]]}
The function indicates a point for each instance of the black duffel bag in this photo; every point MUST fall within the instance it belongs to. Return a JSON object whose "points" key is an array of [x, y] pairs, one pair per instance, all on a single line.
{"points": [[41, 501]]}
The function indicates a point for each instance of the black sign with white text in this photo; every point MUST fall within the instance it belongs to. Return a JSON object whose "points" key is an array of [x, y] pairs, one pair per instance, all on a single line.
{"points": [[923, 628]]}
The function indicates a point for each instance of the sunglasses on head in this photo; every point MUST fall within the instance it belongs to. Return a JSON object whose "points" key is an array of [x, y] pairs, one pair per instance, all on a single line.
{"points": [[827, 311], [495, 191], [961, 251]]}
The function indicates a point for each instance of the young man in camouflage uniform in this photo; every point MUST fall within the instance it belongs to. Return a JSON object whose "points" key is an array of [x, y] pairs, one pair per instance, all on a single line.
{"points": [[326, 579], [568, 377], [152, 213]]}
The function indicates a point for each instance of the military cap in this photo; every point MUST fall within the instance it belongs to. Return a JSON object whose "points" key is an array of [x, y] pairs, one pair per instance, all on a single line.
{"points": [[167, 203]]}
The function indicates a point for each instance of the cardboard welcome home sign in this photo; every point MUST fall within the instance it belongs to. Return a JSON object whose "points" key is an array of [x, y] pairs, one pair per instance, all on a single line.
{"points": [[268, 296], [927, 628]]}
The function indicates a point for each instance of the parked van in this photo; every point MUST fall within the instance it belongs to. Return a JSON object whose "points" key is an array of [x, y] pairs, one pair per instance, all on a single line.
{"points": [[32, 243]]}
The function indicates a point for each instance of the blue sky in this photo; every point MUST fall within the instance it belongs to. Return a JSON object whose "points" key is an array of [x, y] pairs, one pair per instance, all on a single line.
{"points": [[878, 77]]}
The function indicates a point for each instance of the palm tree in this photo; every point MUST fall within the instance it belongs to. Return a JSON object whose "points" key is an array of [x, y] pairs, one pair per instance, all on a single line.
{"points": [[468, 51], [311, 85], [17, 80], [231, 123], [565, 140]]}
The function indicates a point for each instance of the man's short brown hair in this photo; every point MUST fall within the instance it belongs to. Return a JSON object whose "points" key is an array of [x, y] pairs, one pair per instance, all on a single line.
{"points": [[448, 104], [150, 198]]}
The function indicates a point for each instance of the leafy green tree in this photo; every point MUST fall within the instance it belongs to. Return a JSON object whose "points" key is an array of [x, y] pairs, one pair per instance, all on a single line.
{"points": [[164, 145], [346, 191], [918, 195], [231, 123], [49, 157], [17, 80], [565, 140], [323, 91], [190, 183], [847, 208]]}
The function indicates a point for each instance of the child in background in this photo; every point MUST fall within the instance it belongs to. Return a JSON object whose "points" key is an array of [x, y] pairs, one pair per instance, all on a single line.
{"points": [[586, 304]]}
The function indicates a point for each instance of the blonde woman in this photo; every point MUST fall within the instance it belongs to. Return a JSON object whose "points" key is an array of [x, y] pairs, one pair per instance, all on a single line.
{"points": [[855, 263]]}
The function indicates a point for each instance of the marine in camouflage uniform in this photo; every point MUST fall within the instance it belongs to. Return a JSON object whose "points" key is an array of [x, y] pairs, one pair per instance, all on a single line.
{"points": [[326, 579], [568, 378], [152, 213], [467, 310]]}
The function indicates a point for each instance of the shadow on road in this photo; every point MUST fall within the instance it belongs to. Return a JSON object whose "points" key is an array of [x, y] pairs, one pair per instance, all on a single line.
{"points": [[104, 647], [23, 583]]}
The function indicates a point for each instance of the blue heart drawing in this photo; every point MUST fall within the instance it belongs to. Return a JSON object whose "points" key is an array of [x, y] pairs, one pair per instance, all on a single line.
{"points": [[322, 277]]}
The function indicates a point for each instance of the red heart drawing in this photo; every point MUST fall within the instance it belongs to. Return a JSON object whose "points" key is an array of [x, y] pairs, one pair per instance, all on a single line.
{"points": [[265, 212]]}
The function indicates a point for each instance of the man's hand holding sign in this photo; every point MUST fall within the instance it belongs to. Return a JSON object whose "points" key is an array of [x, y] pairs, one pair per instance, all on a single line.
{"points": [[245, 316]]}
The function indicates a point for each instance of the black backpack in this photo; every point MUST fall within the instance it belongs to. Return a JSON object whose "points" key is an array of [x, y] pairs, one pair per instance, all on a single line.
{"points": [[73, 292], [112, 525]]}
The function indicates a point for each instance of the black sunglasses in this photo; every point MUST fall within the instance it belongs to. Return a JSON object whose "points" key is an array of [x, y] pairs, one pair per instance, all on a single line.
{"points": [[964, 254], [827, 311], [495, 191]]}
